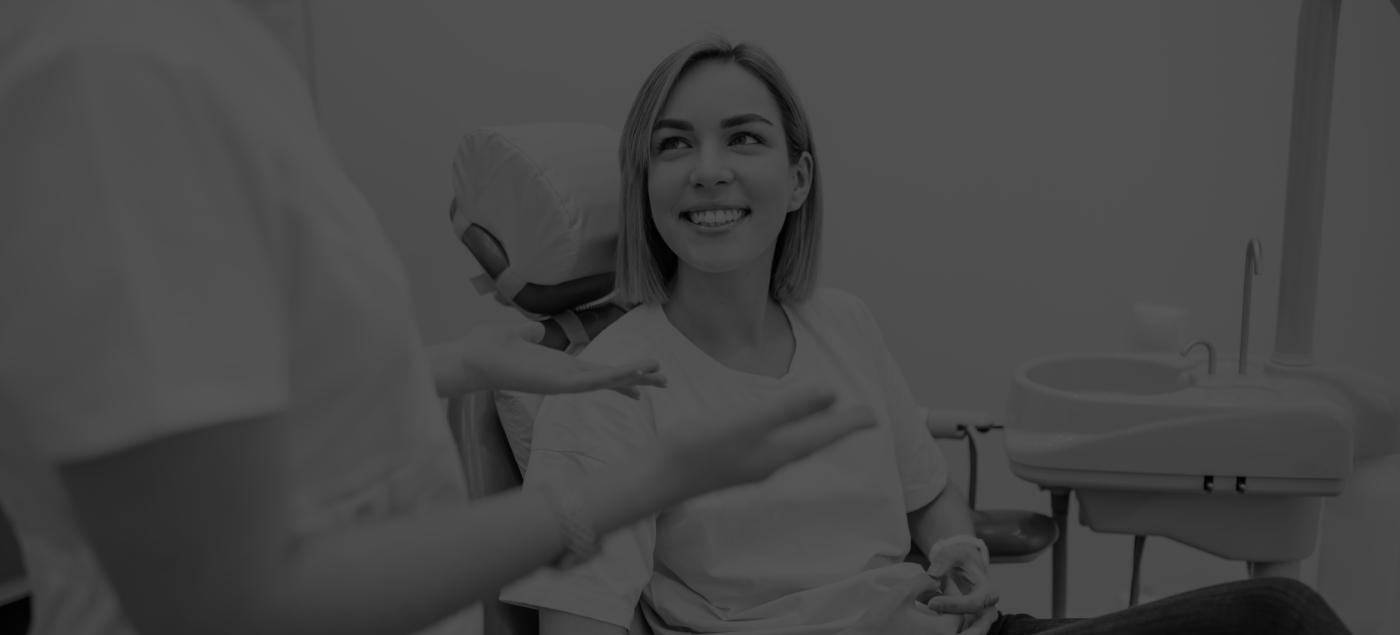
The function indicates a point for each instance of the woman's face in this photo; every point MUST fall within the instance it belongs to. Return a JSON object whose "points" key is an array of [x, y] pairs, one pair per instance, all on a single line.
{"points": [[719, 181]]}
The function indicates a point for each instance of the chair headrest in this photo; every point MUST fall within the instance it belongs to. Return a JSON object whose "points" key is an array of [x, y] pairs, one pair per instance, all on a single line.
{"points": [[537, 204]]}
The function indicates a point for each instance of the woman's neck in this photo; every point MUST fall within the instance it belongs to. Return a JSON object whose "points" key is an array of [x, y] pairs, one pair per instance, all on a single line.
{"points": [[728, 313]]}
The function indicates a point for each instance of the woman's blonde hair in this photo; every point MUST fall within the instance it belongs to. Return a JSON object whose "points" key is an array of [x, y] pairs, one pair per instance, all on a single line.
{"points": [[645, 265]]}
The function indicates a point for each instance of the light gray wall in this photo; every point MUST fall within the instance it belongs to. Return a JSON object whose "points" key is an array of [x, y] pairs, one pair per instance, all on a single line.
{"points": [[1004, 179]]}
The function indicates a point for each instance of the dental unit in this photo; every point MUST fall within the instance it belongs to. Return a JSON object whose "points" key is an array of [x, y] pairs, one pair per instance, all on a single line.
{"points": [[1265, 466]]}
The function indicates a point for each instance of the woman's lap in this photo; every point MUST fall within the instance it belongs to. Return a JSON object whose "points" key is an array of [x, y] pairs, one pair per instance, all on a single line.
{"points": [[1262, 605]]}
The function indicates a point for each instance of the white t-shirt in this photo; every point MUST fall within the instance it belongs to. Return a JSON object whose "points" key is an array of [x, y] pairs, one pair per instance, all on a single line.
{"points": [[179, 249], [808, 550]]}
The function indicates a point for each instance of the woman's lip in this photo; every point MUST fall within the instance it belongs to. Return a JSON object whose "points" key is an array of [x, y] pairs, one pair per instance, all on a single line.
{"points": [[744, 210]]}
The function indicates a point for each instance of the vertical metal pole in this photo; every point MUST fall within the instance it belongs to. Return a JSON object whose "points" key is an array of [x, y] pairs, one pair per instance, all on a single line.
{"points": [[1059, 510], [1307, 180], [1135, 587]]}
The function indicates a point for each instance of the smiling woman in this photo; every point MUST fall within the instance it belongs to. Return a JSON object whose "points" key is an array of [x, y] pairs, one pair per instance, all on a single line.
{"points": [[719, 122], [699, 149], [719, 234]]}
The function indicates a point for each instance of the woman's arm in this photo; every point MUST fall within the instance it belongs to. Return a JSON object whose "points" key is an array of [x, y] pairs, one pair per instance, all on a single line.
{"points": [[948, 515], [972, 592], [194, 531]]}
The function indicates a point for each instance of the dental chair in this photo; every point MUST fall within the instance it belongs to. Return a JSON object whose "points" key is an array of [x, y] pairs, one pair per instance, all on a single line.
{"points": [[14, 590], [536, 205]]}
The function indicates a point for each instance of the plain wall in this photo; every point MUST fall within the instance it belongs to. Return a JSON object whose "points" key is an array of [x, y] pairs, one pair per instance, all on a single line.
{"points": [[1003, 179]]}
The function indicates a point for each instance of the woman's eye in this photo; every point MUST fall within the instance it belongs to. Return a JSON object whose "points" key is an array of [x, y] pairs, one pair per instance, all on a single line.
{"points": [[670, 143], [748, 135]]}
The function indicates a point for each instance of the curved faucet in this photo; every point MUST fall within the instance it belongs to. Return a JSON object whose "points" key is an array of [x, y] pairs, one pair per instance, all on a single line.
{"points": [[1210, 354], [1252, 254]]}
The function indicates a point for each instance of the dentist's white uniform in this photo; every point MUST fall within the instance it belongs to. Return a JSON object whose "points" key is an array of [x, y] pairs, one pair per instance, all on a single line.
{"points": [[178, 249]]}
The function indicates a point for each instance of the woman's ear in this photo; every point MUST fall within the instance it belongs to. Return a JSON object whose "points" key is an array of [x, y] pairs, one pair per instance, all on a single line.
{"points": [[801, 178]]}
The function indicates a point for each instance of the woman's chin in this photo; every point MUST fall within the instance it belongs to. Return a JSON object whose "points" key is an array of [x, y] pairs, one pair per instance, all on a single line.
{"points": [[717, 266]]}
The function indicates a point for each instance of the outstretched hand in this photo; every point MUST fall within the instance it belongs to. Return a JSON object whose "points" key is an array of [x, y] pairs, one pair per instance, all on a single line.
{"points": [[739, 446], [510, 357]]}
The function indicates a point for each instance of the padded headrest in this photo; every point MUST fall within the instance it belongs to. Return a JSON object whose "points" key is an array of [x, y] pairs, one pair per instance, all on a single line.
{"points": [[547, 193]]}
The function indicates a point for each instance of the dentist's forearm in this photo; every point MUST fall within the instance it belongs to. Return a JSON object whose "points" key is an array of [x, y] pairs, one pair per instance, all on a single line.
{"points": [[195, 532], [431, 565]]}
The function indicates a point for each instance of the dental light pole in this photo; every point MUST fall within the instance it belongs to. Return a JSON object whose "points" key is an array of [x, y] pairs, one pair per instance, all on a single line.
{"points": [[1359, 545]]}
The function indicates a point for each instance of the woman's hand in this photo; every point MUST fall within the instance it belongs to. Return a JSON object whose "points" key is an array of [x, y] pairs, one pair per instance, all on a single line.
{"points": [[739, 446], [967, 588], [510, 358], [901, 611]]}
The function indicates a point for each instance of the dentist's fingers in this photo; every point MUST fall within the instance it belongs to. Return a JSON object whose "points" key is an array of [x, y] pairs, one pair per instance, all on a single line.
{"points": [[640, 367], [627, 391], [792, 406], [744, 445], [797, 440], [586, 376], [532, 332]]}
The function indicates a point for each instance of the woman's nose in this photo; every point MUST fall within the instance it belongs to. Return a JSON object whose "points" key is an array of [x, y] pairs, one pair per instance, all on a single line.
{"points": [[710, 170]]}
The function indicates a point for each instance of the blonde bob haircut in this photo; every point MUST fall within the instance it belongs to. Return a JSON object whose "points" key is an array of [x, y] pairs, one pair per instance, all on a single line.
{"points": [[645, 265]]}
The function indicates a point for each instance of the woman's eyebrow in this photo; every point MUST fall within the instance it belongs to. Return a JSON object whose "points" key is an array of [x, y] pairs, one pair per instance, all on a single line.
{"points": [[674, 123], [737, 120], [740, 120]]}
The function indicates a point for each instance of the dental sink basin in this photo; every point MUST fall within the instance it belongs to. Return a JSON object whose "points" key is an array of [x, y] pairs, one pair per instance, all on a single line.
{"points": [[1108, 376], [1158, 422]]}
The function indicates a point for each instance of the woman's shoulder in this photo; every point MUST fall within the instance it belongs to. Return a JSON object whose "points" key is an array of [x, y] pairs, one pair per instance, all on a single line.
{"points": [[629, 338], [829, 305]]}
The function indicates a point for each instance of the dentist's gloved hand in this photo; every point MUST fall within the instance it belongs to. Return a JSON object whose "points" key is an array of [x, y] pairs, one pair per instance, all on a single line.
{"points": [[510, 357], [967, 589]]}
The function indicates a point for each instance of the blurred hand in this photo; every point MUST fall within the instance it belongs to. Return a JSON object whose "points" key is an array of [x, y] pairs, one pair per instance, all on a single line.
{"points": [[497, 357], [966, 587], [743, 446]]}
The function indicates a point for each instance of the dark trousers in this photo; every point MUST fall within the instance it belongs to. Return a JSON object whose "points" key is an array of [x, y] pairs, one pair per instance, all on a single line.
{"points": [[1272, 606]]}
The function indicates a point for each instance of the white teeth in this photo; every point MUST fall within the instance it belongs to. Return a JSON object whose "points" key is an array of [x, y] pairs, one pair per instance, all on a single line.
{"points": [[715, 217]]}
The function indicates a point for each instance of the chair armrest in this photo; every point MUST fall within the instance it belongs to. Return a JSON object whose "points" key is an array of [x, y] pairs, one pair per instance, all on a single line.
{"points": [[943, 424]]}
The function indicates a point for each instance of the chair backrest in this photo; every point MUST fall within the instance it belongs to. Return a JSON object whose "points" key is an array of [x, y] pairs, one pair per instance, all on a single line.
{"points": [[489, 469], [12, 583]]}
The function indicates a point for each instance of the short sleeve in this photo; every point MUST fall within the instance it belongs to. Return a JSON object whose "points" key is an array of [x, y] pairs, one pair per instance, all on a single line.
{"points": [[574, 434], [138, 271], [922, 468]]}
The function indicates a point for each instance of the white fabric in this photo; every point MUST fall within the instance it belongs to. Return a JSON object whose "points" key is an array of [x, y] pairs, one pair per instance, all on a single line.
{"points": [[806, 551], [548, 192], [178, 249]]}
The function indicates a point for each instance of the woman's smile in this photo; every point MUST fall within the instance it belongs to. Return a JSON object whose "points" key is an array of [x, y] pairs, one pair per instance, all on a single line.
{"points": [[716, 220]]}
